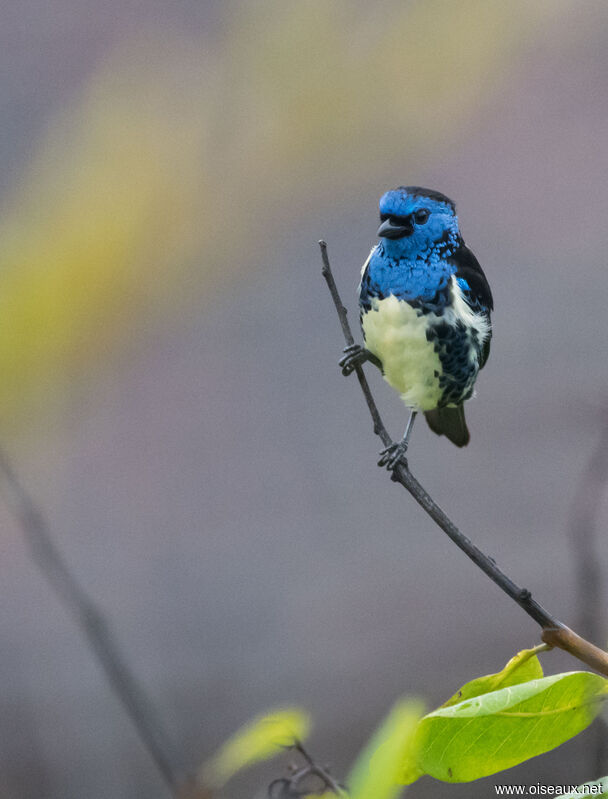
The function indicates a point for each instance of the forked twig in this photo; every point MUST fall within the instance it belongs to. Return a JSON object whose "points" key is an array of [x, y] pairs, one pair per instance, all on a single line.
{"points": [[296, 786]]}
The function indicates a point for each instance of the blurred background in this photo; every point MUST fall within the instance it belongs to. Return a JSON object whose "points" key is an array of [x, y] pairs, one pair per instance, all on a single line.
{"points": [[170, 390]]}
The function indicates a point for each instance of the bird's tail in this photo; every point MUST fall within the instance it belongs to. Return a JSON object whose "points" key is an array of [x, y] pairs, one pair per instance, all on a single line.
{"points": [[449, 422]]}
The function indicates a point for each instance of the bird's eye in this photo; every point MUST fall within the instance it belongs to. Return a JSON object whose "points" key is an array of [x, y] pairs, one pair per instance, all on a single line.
{"points": [[422, 216]]}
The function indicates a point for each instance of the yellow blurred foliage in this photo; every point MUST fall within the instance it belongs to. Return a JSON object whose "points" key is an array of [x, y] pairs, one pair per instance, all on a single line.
{"points": [[341, 90], [105, 211], [262, 738], [131, 198], [377, 772]]}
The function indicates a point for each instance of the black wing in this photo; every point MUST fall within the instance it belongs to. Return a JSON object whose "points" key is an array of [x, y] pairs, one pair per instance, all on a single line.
{"points": [[475, 288]]}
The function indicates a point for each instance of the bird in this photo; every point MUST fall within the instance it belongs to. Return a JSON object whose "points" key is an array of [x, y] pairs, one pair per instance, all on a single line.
{"points": [[425, 310]]}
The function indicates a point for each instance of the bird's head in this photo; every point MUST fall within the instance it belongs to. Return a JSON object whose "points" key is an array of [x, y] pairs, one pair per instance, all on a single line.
{"points": [[414, 222]]}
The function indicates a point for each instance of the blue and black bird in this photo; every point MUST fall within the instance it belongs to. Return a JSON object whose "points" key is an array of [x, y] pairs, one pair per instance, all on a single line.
{"points": [[425, 312]]}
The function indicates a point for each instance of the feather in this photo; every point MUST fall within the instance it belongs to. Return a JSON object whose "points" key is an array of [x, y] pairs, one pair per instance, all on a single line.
{"points": [[475, 289], [449, 422]]}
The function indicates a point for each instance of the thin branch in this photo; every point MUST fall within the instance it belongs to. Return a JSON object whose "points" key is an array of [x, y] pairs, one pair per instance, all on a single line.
{"points": [[92, 623], [319, 771], [554, 632], [297, 786], [379, 428]]}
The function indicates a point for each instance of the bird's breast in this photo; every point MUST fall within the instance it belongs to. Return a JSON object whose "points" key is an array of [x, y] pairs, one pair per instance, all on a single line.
{"points": [[431, 357], [396, 333]]}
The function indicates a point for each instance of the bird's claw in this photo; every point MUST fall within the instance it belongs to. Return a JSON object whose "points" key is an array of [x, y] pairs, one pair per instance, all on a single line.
{"points": [[354, 355], [393, 455]]}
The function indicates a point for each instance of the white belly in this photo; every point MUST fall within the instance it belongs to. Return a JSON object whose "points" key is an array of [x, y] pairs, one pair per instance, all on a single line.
{"points": [[396, 334]]}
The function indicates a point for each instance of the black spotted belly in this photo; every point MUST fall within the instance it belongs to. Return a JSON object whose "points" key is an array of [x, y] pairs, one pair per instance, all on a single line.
{"points": [[458, 352]]}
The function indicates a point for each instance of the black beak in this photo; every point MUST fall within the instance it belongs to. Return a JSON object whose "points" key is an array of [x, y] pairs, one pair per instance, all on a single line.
{"points": [[388, 230]]}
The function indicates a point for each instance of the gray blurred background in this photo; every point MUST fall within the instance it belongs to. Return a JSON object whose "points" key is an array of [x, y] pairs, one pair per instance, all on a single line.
{"points": [[171, 394]]}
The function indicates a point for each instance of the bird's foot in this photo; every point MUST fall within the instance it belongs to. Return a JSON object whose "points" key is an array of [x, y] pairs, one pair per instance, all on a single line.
{"points": [[393, 455], [355, 355]]}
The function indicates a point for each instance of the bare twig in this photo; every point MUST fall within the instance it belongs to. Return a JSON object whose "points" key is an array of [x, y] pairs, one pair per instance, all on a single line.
{"points": [[92, 623], [297, 785], [554, 632]]}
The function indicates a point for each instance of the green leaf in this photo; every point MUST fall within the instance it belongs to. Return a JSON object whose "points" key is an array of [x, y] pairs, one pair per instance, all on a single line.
{"points": [[599, 789], [377, 771], [499, 729], [259, 740], [524, 666]]}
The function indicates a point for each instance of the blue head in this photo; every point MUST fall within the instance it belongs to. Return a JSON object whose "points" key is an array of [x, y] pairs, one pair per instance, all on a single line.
{"points": [[417, 223]]}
